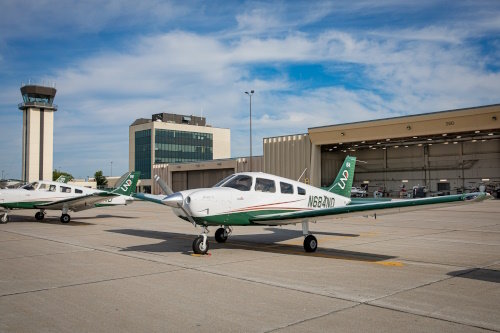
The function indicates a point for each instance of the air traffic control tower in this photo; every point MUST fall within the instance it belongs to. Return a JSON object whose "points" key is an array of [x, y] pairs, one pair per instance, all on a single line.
{"points": [[38, 131]]}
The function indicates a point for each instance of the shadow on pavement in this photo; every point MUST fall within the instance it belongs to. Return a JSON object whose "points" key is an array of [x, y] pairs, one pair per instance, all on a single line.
{"points": [[178, 242], [482, 274]]}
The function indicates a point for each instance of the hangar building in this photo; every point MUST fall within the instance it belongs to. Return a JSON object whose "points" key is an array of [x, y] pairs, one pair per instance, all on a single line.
{"points": [[447, 152]]}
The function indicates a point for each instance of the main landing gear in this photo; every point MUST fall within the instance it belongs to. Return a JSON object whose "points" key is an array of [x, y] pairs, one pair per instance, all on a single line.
{"points": [[40, 215], [222, 234], [65, 218], [310, 242]]}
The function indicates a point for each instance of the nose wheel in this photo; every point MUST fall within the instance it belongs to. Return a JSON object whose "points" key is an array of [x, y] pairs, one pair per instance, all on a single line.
{"points": [[4, 218], [200, 243]]}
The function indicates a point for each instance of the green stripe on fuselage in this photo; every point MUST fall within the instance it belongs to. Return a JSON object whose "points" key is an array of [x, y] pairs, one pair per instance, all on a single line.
{"points": [[22, 205], [236, 219]]}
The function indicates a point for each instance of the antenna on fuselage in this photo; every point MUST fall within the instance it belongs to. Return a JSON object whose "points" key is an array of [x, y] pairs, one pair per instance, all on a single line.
{"points": [[303, 172]]}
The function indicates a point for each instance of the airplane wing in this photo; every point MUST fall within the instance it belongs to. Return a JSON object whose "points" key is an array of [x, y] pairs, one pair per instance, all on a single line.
{"points": [[150, 197], [78, 203], [378, 208]]}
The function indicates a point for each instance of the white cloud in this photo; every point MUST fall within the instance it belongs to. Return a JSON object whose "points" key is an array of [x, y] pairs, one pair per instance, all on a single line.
{"points": [[397, 72]]}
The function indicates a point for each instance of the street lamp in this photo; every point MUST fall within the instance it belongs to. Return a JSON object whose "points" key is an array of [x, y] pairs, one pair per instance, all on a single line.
{"points": [[250, 94]]}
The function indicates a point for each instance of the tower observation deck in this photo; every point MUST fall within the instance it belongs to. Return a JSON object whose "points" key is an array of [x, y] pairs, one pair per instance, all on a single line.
{"points": [[38, 131]]}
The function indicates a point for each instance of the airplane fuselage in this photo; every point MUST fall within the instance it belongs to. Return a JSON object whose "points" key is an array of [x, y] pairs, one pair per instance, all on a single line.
{"points": [[231, 203], [42, 192]]}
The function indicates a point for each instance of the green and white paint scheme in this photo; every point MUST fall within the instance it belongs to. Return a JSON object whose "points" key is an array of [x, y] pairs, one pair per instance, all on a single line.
{"points": [[256, 198], [55, 195]]}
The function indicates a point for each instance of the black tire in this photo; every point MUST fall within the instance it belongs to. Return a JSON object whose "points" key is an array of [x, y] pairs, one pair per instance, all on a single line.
{"points": [[65, 218], [310, 243], [5, 219], [39, 216], [220, 235], [197, 245]]}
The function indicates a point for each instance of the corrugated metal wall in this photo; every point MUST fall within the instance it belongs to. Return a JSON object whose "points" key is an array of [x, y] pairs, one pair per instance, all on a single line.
{"points": [[288, 156]]}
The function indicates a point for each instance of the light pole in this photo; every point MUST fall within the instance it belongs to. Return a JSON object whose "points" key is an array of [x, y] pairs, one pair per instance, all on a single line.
{"points": [[250, 94], [111, 175]]}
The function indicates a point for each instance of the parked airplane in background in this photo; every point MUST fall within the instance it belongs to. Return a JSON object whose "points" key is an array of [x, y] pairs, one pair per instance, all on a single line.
{"points": [[62, 179], [256, 198], [43, 195]]}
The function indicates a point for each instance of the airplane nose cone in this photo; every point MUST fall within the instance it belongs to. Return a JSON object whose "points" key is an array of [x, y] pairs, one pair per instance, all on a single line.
{"points": [[174, 200]]}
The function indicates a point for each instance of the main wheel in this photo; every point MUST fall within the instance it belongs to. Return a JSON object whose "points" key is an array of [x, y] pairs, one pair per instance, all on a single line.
{"points": [[220, 235], [310, 243], [65, 218], [198, 247], [39, 216]]}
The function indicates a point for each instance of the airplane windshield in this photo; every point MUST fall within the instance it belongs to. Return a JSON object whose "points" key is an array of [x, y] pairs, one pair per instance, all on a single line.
{"points": [[223, 181], [30, 186], [241, 182]]}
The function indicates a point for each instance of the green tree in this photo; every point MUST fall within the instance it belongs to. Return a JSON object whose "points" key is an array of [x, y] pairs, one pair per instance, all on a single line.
{"points": [[57, 173], [100, 179]]}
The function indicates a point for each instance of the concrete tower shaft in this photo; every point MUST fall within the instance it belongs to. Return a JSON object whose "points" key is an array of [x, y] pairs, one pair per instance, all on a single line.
{"points": [[38, 132]]}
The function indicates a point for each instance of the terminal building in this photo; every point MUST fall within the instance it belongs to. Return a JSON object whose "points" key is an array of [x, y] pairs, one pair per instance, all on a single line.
{"points": [[38, 132], [171, 138]]}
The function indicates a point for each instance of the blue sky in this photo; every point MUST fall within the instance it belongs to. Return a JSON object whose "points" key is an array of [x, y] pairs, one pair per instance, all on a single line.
{"points": [[311, 63]]}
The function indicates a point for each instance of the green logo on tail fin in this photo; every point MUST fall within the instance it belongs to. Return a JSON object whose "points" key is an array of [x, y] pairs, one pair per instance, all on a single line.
{"points": [[343, 183], [127, 184]]}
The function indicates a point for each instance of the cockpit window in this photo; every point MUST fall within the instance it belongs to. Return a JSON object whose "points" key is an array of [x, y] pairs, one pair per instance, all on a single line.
{"points": [[241, 182], [223, 181], [30, 186], [52, 188], [43, 187], [265, 185]]}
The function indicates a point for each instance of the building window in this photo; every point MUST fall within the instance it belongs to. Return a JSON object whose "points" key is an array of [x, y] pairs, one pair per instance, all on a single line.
{"points": [[143, 153], [178, 146]]}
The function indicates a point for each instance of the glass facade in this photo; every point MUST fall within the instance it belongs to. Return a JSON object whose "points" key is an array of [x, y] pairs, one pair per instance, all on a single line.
{"points": [[143, 153], [178, 146]]}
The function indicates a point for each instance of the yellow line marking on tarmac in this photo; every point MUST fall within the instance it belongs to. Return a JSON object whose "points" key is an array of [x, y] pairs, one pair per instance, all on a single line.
{"points": [[389, 263]]}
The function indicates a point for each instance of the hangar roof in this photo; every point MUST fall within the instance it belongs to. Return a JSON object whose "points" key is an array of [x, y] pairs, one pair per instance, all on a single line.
{"points": [[481, 118]]}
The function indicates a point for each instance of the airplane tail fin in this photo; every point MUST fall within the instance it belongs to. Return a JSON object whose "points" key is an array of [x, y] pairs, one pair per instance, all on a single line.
{"points": [[343, 183], [62, 179], [127, 183]]}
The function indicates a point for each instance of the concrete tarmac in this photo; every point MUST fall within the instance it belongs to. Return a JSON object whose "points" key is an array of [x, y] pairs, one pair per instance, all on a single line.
{"points": [[131, 269]]}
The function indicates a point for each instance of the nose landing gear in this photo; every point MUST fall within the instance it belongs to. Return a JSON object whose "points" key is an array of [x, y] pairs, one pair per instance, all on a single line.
{"points": [[5, 217], [200, 243]]}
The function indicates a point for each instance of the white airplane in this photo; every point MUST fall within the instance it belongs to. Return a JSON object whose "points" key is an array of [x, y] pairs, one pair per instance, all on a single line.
{"points": [[56, 195], [256, 198]]}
